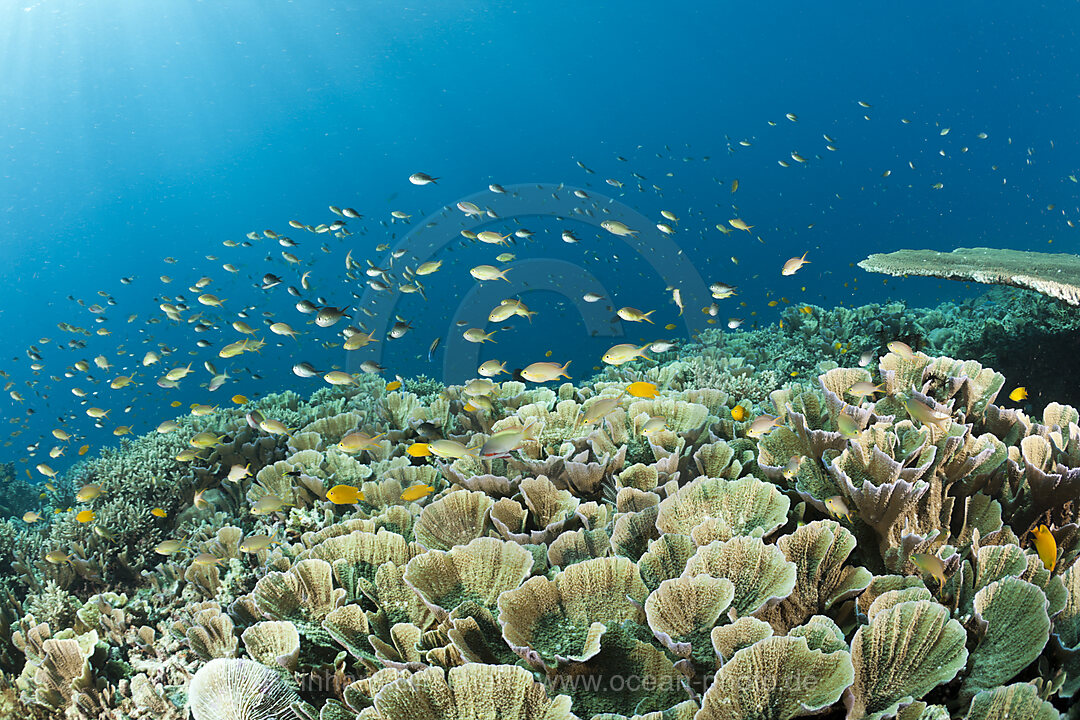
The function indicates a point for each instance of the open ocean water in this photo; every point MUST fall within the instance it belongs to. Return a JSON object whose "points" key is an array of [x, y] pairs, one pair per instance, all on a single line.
{"points": [[204, 205]]}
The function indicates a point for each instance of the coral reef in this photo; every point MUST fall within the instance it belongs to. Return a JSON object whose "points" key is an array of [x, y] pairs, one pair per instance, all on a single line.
{"points": [[876, 542]]}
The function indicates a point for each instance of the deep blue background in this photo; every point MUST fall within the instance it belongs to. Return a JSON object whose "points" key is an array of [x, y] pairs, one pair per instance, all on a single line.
{"points": [[130, 131]]}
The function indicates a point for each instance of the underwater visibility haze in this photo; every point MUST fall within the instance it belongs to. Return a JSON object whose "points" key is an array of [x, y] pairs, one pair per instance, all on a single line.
{"points": [[439, 360]]}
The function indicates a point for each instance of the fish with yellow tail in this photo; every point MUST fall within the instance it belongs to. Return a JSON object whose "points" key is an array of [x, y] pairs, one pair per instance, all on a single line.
{"points": [[642, 389], [255, 543], [358, 441], [624, 353], [344, 495], [838, 508], [763, 425], [926, 414], [793, 264], [901, 348], [416, 492], [634, 315], [1046, 546], [542, 372], [418, 449], [931, 565], [449, 449], [791, 470], [501, 444]]}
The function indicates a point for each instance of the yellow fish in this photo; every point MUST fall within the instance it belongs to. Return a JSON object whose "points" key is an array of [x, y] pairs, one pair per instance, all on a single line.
{"points": [[1018, 394], [1046, 546], [158, 512], [740, 224], [87, 493], [838, 508], [83, 450], [418, 449], [178, 373], [175, 403], [344, 495], [85, 516], [847, 426], [239, 399], [492, 368], [206, 440], [634, 315], [738, 413], [274, 427], [642, 390], [930, 564], [393, 385], [416, 492], [926, 414], [337, 377], [255, 543]]}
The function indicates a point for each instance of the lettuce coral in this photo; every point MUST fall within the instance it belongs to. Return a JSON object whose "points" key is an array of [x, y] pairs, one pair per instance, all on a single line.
{"points": [[873, 553]]}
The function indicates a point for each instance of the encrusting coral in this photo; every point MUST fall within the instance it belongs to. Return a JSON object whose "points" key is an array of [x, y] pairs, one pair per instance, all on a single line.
{"points": [[875, 542]]}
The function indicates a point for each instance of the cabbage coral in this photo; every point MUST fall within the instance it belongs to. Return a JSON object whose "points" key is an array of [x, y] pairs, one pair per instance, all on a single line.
{"points": [[878, 551]]}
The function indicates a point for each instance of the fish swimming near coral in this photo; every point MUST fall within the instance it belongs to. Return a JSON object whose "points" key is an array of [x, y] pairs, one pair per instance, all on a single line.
{"points": [[1046, 546], [344, 495]]}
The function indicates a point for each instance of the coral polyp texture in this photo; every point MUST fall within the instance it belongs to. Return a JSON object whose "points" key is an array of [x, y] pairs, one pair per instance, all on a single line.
{"points": [[889, 541]]}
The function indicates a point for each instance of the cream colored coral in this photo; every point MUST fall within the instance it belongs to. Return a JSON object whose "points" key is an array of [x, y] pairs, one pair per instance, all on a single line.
{"points": [[470, 692], [273, 643], [227, 689]]}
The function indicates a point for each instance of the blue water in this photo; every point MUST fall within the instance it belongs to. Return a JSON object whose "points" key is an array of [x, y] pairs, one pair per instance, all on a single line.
{"points": [[134, 131]]}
